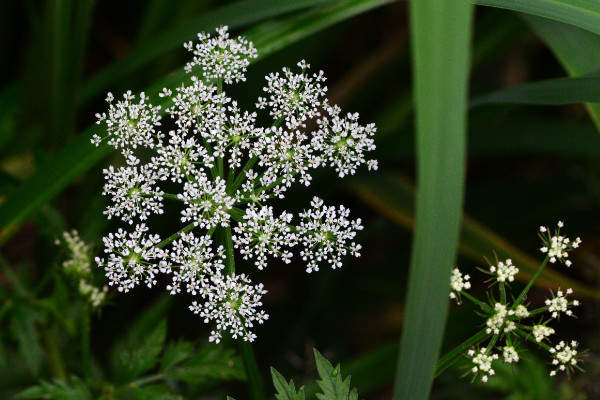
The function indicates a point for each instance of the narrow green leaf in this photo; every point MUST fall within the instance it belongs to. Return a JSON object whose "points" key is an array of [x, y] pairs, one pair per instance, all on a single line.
{"points": [[576, 49], [209, 364], [441, 37], [285, 390], [548, 92], [582, 13]]}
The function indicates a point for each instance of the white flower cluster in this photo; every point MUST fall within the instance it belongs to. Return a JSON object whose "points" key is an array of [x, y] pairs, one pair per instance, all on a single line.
{"points": [[221, 168], [482, 363], [78, 267], [506, 324], [458, 283], [559, 303], [556, 246], [565, 357], [504, 271]]}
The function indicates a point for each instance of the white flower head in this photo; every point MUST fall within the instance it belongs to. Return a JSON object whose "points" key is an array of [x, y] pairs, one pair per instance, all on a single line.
{"points": [[325, 232], [559, 304], [565, 357], [510, 355], [482, 363], [541, 332], [232, 302], [220, 57], [458, 283], [131, 258], [504, 271], [556, 246]]}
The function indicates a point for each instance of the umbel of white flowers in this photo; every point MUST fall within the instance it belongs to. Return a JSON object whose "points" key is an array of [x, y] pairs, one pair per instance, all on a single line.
{"points": [[507, 325], [226, 169]]}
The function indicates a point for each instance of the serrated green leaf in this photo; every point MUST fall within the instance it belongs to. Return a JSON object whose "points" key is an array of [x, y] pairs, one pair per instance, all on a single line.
{"points": [[176, 352], [331, 383], [285, 390], [156, 392], [73, 389], [134, 359], [213, 363]]}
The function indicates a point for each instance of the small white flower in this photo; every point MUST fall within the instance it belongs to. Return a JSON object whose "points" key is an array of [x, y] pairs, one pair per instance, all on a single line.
{"points": [[564, 357], [207, 202], [482, 363], [458, 283], [504, 271], [559, 303], [557, 246], [510, 354], [540, 332]]}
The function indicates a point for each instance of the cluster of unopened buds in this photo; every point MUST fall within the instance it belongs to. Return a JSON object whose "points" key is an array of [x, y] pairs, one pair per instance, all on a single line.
{"points": [[509, 324], [221, 168]]}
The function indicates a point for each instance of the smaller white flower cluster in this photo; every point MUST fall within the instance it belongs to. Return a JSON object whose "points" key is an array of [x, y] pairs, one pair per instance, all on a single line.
{"points": [[78, 267], [233, 303], [458, 283], [565, 357], [221, 57], [556, 246], [482, 363], [507, 323], [504, 271], [559, 303]]}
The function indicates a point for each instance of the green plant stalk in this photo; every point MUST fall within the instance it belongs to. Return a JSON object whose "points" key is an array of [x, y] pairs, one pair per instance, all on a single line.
{"points": [[57, 365], [521, 297], [453, 355], [86, 361], [441, 38], [255, 383]]}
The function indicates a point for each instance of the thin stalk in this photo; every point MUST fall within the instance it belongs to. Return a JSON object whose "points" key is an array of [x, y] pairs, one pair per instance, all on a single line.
{"points": [[176, 235], [57, 365], [530, 284], [86, 363], [256, 388], [453, 355]]}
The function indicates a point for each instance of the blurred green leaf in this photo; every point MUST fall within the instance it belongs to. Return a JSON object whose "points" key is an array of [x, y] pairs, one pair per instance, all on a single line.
{"points": [[441, 41], [285, 390], [156, 392], [332, 385], [175, 353], [211, 363], [576, 49], [73, 389], [582, 13], [549, 92], [24, 331], [393, 196], [138, 356]]}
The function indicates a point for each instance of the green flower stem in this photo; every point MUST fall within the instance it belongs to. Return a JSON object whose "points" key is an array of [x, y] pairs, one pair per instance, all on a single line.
{"points": [[86, 360], [176, 235], [530, 284], [145, 380], [256, 387], [170, 196], [527, 336], [57, 365], [240, 178], [539, 310], [485, 307], [502, 289], [453, 355]]}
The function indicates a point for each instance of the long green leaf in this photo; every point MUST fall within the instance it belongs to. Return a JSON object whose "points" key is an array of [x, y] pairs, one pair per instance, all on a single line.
{"points": [[441, 37], [576, 49], [548, 92], [78, 156], [582, 13]]}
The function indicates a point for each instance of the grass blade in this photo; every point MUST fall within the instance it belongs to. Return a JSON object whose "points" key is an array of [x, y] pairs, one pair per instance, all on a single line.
{"points": [[441, 38], [547, 92], [576, 49], [584, 14]]}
